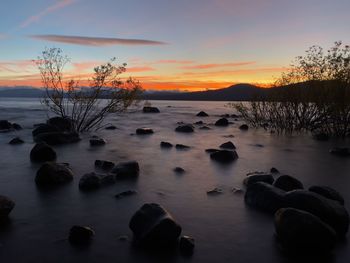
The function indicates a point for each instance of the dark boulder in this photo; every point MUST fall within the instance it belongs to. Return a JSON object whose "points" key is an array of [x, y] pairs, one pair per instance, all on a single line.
{"points": [[42, 152], [57, 138], [182, 147], [125, 194], [265, 197], [126, 170], [222, 122], [16, 140], [186, 245], [224, 156], [6, 206], [202, 114], [187, 128], [258, 177], [228, 145], [153, 226], [288, 183], [340, 151], [143, 131], [179, 170], [5, 125], [81, 234], [97, 142], [166, 145], [105, 165], [328, 192], [244, 127], [274, 170], [302, 232], [150, 110], [90, 181], [52, 174]]}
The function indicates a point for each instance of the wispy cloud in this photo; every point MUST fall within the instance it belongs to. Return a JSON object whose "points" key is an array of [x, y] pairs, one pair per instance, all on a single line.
{"points": [[219, 65], [95, 41], [173, 61], [58, 5]]}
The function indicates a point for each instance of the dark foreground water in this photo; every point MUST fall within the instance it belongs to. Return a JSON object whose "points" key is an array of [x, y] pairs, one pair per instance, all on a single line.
{"points": [[225, 229]]}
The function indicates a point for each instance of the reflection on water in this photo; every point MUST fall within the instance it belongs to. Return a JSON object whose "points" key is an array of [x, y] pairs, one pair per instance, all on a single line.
{"points": [[224, 228]]}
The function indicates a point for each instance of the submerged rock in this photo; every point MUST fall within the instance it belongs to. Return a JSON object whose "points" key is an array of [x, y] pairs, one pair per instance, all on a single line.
{"points": [[6, 206], [182, 147], [258, 177], [228, 145], [288, 183], [153, 226], [150, 110], [166, 145], [224, 156], [126, 170], [144, 131], [186, 245], [244, 127], [202, 114], [105, 165], [81, 234], [42, 152], [6, 126], [179, 170], [222, 122], [16, 140], [274, 170], [52, 174], [125, 194], [97, 142], [328, 192], [111, 127], [186, 128], [90, 181]]}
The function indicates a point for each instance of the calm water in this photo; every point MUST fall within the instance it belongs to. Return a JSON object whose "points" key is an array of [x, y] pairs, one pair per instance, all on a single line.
{"points": [[225, 229]]}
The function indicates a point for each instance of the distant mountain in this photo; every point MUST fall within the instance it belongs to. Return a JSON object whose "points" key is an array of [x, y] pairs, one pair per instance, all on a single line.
{"points": [[22, 92]]}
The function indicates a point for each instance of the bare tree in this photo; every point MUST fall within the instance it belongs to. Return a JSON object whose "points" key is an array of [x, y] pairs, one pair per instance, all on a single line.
{"points": [[87, 106]]}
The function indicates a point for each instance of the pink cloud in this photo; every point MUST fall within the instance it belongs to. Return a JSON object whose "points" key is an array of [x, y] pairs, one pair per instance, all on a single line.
{"points": [[173, 61], [219, 65]]}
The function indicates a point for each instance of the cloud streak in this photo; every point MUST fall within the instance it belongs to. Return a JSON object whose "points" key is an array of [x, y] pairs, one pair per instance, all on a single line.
{"points": [[219, 65], [95, 41]]}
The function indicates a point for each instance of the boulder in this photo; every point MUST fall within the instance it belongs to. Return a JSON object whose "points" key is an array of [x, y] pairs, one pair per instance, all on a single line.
{"points": [[288, 183], [5, 125], [244, 127], [125, 194], [166, 145], [153, 226], [258, 177], [16, 140], [107, 179], [179, 170], [57, 138], [302, 232], [126, 170], [42, 152], [186, 245], [274, 170], [224, 156], [104, 165], [52, 174], [340, 151], [143, 131], [97, 142], [150, 110], [81, 234], [90, 181], [328, 192], [222, 122], [182, 147], [228, 145], [202, 114], [186, 128], [6, 206], [265, 197]]}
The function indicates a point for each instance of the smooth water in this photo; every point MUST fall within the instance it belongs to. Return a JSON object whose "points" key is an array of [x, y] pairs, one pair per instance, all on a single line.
{"points": [[225, 229]]}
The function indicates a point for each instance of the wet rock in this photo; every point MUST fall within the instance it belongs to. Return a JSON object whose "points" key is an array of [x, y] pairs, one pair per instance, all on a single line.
{"points": [[210, 150], [224, 156], [144, 131], [42, 152], [16, 140], [52, 174], [182, 147], [274, 170], [166, 145], [105, 165], [302, 232], [244, 127], [111, 127], [97, 142], [215, 191], [179, 170], [321, 136], [126, 170], [125, 194], [186, 245], [228, 145], [340, 151], [204, 128], [288, 183], [81, 234], [150, 110], [6, 206], [89, 181], [186, 128], [258, 177], [153, 226], [57, 138], [328, 192], [329, 211], [6, 126], [222, 122], [265, 197], [202, 114]]}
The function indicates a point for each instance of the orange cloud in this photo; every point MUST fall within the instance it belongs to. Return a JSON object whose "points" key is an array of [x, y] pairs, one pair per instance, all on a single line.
{"points": [[219, 65], [173, 61]]}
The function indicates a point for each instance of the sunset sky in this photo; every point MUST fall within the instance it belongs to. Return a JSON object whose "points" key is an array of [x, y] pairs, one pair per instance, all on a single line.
{"points": [[169, 44]]}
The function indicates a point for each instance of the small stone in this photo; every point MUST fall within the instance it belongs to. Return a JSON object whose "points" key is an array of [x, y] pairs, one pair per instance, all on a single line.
{"points": [[105, 165], [187, 128], [215, 191], [144, 131], [274, 170], [90, 181], [204, 128], [198, 122], [6, 206], [222, 122], [182, 147], [186, 245], [179, 170], [228, 145], [148, 109], [166, 145], [202, 114], [125, 194], [224, 156], [111, 127], [244, 127], [42, 152], [97, 142], [16, 140], [81, 234]]}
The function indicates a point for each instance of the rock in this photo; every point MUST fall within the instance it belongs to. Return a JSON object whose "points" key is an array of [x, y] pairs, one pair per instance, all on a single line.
{"points": [[274, 170], [42, 152], [166, 145], [182, 147], [6, 206], [186, 128], [107, 179], [210, 150], [44, 128], [199, 122], [16, 126], [5, 125], [329, 211], [328, 192], [111, 127], [125, 194], [340, 151], [179, 170], [224, 156], [321, 136], [81, 234], [215, 191], [90, 181], [288, 183], [258, 177], [105, 165], [153, 226], [126, 170], [57, 138], [186, 245], [222, 122], [204, 128], [150, 110], [16, 140], [228, 145], [265, 197], [61, 123], [52, 174], [97, 142], [302, 232], [244, 127], [143, 131], [202, 114]]}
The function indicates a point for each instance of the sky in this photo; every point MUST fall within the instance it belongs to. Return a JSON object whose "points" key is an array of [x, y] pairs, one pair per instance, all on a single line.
{"points": [[168, 44]]}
